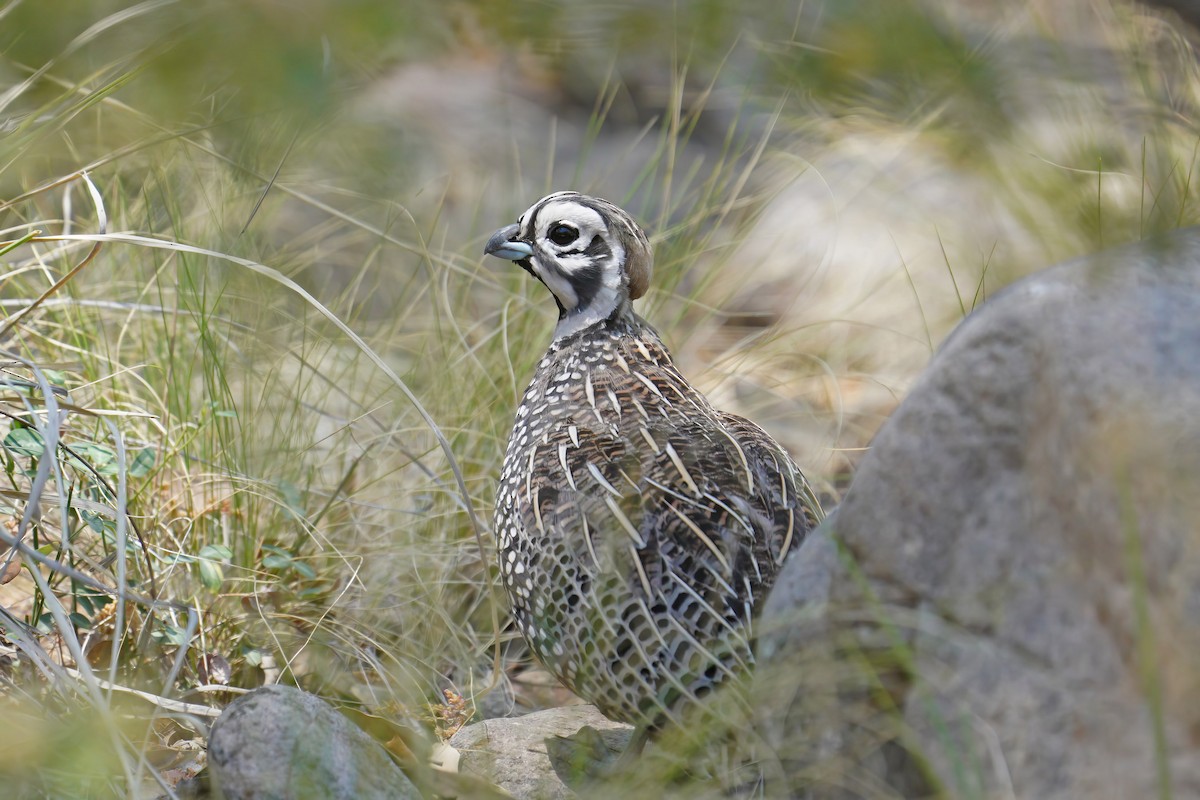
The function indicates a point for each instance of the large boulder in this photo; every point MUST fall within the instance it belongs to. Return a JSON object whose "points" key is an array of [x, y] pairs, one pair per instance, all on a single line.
{"points": [[281, 743], [1007, 603]]}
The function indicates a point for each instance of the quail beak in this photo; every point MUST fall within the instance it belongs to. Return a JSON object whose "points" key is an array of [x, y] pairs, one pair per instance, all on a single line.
{"points": [[504, 245]]}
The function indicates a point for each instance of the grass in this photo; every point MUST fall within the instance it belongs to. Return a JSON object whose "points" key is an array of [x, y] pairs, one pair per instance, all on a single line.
{"points": [[256, 384]]}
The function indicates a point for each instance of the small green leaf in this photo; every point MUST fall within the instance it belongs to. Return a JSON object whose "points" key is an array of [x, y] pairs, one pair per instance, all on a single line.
{"points": [[24, 442], [85, 602], [97, 456], [216, 552], [270, 548], [212, 570], [304, 569], [91, 601], [79, 620], [292, 499], [212, 574], [95, 521], [142, 463], [276, 562], [254, 657]]}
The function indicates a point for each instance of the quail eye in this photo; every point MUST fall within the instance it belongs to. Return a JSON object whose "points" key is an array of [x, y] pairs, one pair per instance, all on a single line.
{"points": [[563, 234]]}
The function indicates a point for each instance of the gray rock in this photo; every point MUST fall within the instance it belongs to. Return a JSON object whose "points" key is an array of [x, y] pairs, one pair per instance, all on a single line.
{"points": [[512, 752], [1017, 609], [280, 742]]}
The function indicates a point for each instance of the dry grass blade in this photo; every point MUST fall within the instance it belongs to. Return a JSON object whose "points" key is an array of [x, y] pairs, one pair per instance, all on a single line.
{"points": [[102, 227]]}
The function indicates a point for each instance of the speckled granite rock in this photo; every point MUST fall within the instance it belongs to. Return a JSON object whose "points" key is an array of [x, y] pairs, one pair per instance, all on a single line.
{"points": [[1018, 598]]}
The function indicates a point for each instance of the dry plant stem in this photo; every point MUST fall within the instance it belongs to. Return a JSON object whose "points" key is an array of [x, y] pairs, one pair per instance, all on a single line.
{"points": [[121, 515], [86, 676], [121, 593], [18, 242], [102, 225], [165, 703]]}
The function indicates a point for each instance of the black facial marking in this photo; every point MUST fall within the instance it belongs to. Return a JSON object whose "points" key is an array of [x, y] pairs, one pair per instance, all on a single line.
{"points": [[598, 249], [586, 283]]}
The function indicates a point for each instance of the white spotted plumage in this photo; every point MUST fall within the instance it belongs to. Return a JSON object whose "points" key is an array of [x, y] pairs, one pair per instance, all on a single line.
{"points": [[638, 527]]}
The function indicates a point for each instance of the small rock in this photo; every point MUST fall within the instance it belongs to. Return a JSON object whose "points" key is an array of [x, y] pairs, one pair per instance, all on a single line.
{"points": [[512, 752], [281, 742], [1017, 609]]}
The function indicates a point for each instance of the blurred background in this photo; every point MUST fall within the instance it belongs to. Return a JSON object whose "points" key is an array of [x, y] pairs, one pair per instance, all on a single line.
{"points": [[284, 382]]}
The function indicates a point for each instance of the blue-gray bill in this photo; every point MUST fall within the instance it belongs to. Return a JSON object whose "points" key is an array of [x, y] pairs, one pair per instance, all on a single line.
{"points": [[503, 244]]}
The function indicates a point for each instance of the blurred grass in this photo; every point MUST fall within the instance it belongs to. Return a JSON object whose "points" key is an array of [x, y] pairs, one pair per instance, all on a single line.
{"points": [[231, 457]]}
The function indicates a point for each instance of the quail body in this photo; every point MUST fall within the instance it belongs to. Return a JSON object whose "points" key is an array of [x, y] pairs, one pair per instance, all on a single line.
{"points": [[638, 527]]}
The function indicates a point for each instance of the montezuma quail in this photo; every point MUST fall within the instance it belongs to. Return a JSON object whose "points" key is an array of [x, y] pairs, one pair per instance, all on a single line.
{"points": [[639, 528]]}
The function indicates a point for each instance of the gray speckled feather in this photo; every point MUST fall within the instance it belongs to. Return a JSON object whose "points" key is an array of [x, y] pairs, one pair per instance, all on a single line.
{"points": [[639, 528]]}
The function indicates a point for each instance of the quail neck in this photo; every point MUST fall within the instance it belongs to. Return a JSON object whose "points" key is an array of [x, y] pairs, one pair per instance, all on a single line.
{"points": [[638, 528]]}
